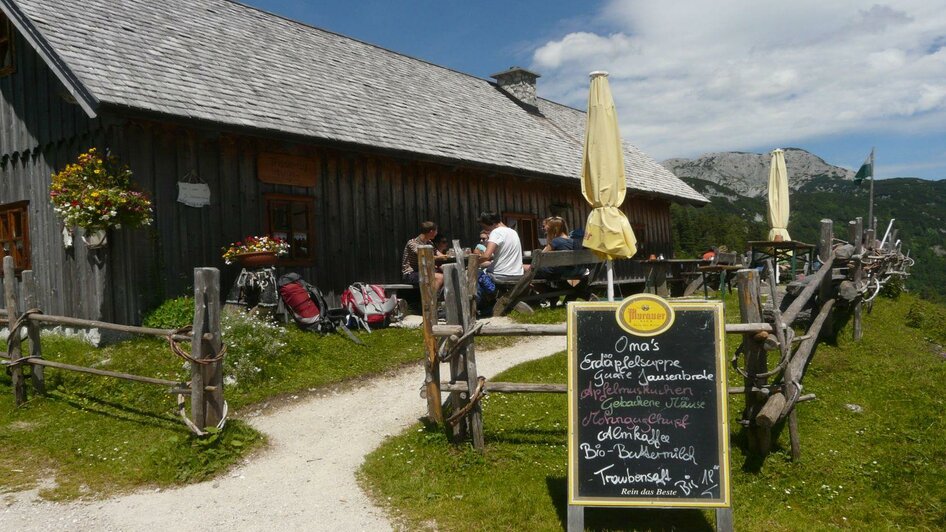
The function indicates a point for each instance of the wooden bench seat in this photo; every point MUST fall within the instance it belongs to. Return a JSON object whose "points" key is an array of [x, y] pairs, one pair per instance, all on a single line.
{"points": [[515, 293]]}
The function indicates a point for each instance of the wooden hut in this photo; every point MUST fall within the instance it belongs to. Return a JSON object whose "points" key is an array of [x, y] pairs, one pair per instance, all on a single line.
{"points": [[342, 146]]}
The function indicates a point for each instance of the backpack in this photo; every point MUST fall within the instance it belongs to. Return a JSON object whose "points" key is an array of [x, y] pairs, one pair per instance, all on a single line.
{"points": [[368, 305], [306, 303]]}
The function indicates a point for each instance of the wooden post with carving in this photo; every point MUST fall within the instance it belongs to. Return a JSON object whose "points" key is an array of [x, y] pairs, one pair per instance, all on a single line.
{"points": [[825, 253], [13, 340], [36, 350], [857, 239], [207, 406], [468, 314], [428, 299], [750, 307], [451, 298]]}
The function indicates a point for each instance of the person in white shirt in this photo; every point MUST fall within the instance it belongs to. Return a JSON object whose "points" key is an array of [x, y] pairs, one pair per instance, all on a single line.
{"points": [[503, 249]]}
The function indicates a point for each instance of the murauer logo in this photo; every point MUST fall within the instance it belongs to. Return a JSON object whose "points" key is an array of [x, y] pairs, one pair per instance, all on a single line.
{"points": [[645, 315]]}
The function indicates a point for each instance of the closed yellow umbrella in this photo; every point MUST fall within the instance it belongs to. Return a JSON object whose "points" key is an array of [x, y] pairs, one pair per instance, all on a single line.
{"points": [[778, 197], [607, 231]]}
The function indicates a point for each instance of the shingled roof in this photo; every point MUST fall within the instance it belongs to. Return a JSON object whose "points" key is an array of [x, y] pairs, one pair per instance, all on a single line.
{"points": [[225, 62]]}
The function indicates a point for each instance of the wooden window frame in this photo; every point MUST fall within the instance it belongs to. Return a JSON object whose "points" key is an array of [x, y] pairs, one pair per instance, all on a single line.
{"points": [[268, 198], [533, 242], [22, 258], [7, 41]]}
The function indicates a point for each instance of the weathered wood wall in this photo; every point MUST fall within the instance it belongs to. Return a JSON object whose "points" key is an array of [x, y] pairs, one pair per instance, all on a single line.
{"points": [[40, 131], [367, 206]]}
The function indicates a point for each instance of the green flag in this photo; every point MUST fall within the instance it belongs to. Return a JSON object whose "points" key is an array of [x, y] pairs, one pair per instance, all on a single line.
{"points": [[866, 169]]}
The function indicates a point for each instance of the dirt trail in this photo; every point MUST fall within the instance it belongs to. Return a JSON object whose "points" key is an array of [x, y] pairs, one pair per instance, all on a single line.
{"points": [[305, 480]]}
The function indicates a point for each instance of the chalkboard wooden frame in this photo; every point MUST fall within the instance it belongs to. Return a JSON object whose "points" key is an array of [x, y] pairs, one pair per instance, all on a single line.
{"points": [[577, 496]]}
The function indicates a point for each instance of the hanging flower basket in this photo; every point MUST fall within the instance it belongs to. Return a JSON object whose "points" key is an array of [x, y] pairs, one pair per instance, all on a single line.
{"points": [[95, 193], [258, 259]]}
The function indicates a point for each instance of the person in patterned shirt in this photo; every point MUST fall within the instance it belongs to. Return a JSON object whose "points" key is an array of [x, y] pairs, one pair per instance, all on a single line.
{"points": [[409, 268]]}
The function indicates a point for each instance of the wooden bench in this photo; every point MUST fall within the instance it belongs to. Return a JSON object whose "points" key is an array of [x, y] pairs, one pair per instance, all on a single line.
{"points": [[515, 293], [391, 290]]}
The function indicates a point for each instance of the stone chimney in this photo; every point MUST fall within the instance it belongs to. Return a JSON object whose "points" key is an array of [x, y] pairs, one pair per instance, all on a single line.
{"points": [[518, 83]]}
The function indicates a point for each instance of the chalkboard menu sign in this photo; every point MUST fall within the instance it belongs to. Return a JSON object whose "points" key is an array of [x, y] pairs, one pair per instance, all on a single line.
{"points": [[647, 404]]}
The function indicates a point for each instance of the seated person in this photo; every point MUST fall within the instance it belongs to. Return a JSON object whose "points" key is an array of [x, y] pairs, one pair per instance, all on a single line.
{"points": [[409, 267], [442, 247], [481, 247], [442, 251], [556, 236], [503, 249]]}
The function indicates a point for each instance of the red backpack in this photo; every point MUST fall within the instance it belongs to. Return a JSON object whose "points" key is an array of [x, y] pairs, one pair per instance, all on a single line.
{"points": [[306, 303], [368, 305]]}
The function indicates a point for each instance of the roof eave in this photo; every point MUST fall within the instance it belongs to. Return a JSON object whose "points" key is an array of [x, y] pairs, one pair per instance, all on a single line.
{"points": [[53, 60]]}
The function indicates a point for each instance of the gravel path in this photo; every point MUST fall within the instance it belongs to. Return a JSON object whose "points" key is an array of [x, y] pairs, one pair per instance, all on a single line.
{"points": [[305, 480]]}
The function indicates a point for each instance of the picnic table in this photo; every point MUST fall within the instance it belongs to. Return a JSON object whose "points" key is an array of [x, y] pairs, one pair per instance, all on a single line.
{"points": [[794, 252], [657, 276], [722, 265]]}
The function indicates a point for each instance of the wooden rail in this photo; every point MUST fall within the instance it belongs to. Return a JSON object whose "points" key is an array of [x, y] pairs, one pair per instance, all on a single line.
{"points": [[771, 395], [208, 407], [525, 329]]}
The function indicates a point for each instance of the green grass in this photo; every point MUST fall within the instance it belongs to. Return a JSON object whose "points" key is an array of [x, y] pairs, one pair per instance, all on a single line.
{"points": [[882, 468], [94, 436]]}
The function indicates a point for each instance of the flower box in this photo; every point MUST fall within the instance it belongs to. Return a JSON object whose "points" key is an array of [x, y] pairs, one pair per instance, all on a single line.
{"points": [[256, 259]]}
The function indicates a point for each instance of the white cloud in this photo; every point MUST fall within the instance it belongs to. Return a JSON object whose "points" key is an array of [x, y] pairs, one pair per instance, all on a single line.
{"points": [[691, 76]]}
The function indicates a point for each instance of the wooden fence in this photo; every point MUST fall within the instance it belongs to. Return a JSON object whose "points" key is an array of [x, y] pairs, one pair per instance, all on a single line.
{"points": [[208, 407], [851, 272]]}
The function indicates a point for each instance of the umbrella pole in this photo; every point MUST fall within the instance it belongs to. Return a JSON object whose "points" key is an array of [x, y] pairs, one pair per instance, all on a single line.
{"points": [[610, 266]]}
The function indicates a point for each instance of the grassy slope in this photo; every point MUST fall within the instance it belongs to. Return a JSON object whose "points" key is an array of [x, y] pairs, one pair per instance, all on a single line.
{"points": [[879, 469]]}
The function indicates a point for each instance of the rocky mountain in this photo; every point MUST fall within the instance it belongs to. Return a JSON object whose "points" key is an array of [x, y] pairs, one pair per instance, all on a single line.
{"points": [[737, 183], [747, 174]]}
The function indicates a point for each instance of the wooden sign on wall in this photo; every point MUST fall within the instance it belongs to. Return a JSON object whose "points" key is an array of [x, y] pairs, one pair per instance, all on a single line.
{"points": [[284, 169]]}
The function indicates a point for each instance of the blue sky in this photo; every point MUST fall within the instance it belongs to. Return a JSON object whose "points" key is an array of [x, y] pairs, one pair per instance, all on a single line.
{"points": [[691, 76]]}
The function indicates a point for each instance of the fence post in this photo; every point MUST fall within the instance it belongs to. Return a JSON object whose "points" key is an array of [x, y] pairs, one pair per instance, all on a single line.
{"points": [[206, 406], [466, 293], [750, 308], [451, 297], [36, 350], [13, 340], [825, 251], [428, 299], [858, 276]]}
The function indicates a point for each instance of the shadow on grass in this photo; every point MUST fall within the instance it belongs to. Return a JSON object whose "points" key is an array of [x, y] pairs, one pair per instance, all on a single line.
{"points": [[102, 407], [597, 518]]}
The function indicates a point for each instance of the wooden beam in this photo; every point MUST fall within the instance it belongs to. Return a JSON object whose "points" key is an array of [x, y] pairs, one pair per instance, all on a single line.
{"points": [[95, 324], [750, 308], [100, 372], [813, 284], [428, 297], [13, 340], [857, 235], [525, 329], [452, 302], [206, 409], [507, 387], [36, 349], [520, 387]]}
